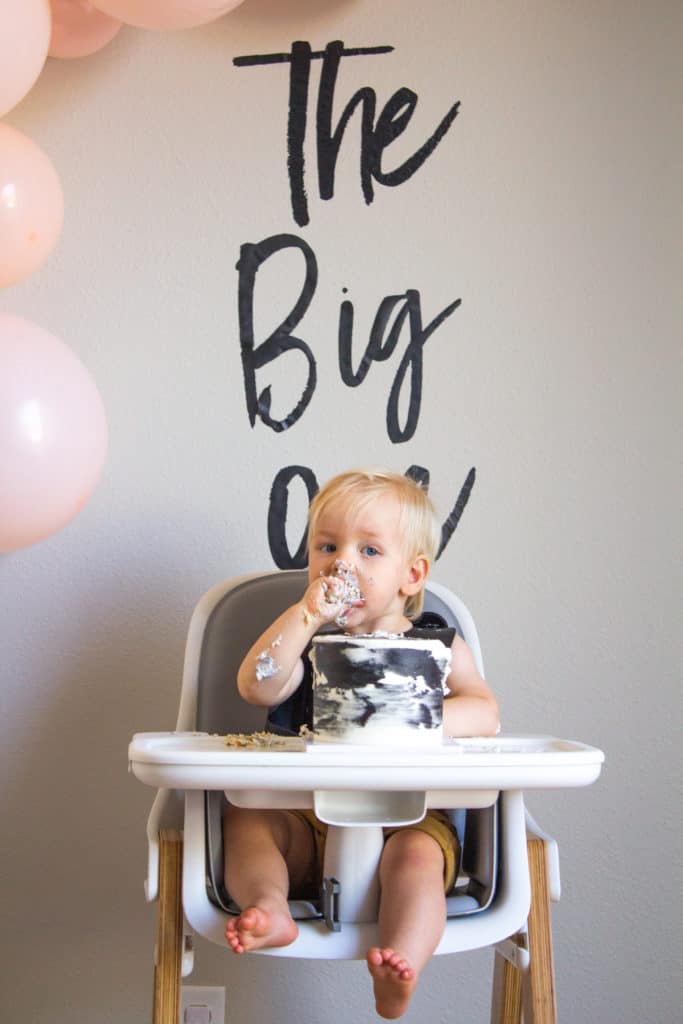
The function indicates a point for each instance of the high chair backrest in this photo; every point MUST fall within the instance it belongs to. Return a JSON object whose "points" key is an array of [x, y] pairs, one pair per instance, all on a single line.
{"points": [[227, 622]]}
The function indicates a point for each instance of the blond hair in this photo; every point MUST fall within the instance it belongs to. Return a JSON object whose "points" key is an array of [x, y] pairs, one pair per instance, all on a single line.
{"points": [[420, 530]]}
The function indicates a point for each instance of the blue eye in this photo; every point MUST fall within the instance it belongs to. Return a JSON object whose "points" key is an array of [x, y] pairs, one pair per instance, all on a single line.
{"points": [[328, 549], [369, 550]]}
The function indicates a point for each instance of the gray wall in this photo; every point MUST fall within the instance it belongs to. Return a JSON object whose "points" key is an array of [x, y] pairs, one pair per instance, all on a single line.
{"points": [[553, 209]]}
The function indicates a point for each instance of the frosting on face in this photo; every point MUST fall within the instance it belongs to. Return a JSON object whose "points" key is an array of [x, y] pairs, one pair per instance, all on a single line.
{"points": [[347, 590]]}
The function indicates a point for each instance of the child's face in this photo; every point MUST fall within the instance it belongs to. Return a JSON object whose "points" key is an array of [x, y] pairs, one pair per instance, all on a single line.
{"points": [[369, 541]]}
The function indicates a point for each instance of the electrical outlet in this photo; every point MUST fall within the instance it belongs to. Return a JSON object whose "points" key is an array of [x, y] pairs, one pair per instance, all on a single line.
{"points": [[202, 1004]]}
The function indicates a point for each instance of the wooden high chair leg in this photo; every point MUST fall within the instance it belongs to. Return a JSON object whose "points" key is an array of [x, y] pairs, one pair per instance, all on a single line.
{"points": [[529, 995], [166, 1006], [506, 1001], [538, 984]]}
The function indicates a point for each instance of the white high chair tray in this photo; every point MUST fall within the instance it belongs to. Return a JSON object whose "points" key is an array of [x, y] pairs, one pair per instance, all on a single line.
{"points": [[201, 761]]}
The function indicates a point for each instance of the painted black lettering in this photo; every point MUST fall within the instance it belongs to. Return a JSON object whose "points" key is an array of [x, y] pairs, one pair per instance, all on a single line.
{"points": [[374, 137], [277, 517], [252, 257]]}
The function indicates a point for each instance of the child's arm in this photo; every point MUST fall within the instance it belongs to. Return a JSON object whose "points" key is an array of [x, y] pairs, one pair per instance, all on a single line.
{"points": [[470, 709], [272, 668]]}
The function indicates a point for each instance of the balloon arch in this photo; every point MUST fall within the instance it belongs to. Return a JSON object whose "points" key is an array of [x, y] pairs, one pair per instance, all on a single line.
{"points": [[53, 430]]}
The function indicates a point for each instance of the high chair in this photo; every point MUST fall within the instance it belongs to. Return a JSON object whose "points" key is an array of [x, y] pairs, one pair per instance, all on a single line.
{"points": [[509, 871]]}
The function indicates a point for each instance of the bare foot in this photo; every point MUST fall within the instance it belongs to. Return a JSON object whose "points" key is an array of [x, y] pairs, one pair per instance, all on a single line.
{"points": [[257, 928], [394, 981]]}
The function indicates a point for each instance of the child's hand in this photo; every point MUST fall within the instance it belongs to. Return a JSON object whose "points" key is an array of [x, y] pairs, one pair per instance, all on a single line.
{"points": [[324, 599]]}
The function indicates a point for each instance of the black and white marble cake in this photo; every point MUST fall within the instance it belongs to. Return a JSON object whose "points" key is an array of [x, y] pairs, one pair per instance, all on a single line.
{"points": [[378, 689]]}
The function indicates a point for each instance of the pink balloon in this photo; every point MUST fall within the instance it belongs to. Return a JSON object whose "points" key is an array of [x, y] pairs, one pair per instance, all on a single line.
{"points": [[163, 14], [53, 433], [31, 206], [24, 39], [79, 29]]}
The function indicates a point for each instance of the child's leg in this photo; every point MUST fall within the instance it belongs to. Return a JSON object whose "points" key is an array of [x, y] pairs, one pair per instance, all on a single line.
{"points": [[412, 917], [265, 852]]}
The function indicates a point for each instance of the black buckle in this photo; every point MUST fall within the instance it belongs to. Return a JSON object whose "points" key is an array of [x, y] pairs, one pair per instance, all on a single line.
{"points": [[329, 898]]}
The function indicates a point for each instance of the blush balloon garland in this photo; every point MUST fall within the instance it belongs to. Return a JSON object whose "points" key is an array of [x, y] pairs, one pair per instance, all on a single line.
{"points": [[79, 29], [167, 14], [53, 428]]}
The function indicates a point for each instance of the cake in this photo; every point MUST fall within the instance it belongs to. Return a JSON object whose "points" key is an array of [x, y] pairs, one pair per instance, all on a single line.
{"points": [[378, 689]]}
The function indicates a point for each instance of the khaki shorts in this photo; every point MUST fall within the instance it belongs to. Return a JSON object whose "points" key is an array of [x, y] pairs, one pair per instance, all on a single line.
{"points": [[436, 824]]}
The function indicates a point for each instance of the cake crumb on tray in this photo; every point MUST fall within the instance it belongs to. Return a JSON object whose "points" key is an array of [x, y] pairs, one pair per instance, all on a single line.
{"points": [[264, 741]]}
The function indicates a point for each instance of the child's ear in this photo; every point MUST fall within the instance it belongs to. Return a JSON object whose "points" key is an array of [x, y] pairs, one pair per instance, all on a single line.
{"points": [[418, 571]]}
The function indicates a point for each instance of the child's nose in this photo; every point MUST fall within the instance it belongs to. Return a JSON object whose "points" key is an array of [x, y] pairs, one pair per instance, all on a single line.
{"points": [[343, 563]]}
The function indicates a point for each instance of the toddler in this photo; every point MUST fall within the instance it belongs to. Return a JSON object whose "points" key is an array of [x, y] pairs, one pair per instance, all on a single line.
{"points": [[371, 539]]}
